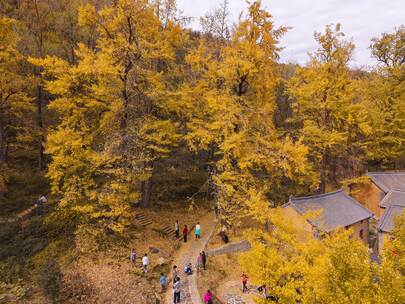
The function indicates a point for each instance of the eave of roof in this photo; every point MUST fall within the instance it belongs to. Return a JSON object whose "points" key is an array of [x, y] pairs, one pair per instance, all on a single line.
{"points": [[385, 202], [295, 202], [373, 176], [388, 217]]}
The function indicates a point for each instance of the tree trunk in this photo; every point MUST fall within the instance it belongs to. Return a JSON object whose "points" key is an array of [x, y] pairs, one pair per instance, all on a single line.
{"points": [[146, 189], [3, 153], [322, 184], [40, 101], [2, 146]]}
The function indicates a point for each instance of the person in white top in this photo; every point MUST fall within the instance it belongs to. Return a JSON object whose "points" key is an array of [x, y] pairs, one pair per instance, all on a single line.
{"points": [[197, 231], [41, 200], [145, 263], [176, 291], [177, 229]]}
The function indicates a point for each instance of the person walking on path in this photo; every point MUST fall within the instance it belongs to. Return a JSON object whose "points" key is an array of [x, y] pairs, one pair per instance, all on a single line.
{"points": [[162, 281], [207, 297], [185, 232], [177, 229], [197, 231], [145, 263], [176, 291], [244, 282], [175, 273], [198, 265], [204, 260], [132, 257]]}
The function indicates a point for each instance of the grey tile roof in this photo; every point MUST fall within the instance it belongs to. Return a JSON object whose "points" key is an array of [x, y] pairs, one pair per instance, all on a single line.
{"points": [[394, 197], [387, 181], [386, 223], [339, 209]]}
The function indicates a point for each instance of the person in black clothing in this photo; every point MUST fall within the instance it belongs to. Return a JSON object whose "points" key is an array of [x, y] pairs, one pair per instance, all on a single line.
{"points": [[204, 259]]}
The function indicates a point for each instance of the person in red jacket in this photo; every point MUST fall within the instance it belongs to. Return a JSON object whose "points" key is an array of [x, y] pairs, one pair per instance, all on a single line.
{"points": [[185, 232], [244, 282]]}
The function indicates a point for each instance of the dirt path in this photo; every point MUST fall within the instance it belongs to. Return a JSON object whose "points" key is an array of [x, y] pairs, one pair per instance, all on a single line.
{"points": [[188, 254]]}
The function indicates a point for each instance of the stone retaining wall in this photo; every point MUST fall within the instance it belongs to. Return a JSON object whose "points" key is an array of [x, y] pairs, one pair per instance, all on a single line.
{"points": [[231, 248]]}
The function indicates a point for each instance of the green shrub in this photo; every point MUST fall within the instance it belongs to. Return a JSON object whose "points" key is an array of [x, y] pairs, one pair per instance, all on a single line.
{"points": [[50, 279]]}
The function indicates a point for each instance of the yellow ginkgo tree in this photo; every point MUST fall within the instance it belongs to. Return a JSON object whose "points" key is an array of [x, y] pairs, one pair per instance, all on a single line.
{"points": [[15, 105], [326, 106], [383, 92], [115, 108], [229, 103], [333, 269]]}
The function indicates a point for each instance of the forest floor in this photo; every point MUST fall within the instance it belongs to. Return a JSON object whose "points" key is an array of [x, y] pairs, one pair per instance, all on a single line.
{"points": [[105, 275]]}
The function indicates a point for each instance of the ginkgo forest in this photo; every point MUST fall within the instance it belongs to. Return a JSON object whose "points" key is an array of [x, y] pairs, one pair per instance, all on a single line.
{"points": [[133, 146]]}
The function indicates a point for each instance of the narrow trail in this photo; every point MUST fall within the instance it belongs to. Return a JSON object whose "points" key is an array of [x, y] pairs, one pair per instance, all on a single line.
{"points": [[188, 254]]}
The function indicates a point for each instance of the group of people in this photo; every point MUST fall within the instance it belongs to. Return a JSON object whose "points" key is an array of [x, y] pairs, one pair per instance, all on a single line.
{"points": [[145, 260], [201, 261], [177, 285], [188, 270], [261, 289], [186, 231], [200, 264]]}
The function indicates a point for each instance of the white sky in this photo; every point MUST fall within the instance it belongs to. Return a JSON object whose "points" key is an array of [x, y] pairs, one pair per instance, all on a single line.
{"points": [[361, 20]]}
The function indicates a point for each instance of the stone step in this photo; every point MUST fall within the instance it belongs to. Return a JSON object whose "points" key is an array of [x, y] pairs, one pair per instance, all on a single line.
{"points": [[170, 232], [142, 219], [168, 229], [144, 222]]}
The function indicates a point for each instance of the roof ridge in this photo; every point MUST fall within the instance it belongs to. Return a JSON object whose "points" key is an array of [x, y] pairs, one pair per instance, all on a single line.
{"points": [[395, 190], [293, 198], [396, 205], [386, 215], [384, 218], [387, 197], [385, 172], [381, 179]]}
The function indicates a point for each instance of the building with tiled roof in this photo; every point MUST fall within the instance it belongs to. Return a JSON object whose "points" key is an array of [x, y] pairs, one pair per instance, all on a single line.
{"points": [[396, 197], [332, 210], [386, 222], [384, 195], [387, 181], [380, 185]]}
